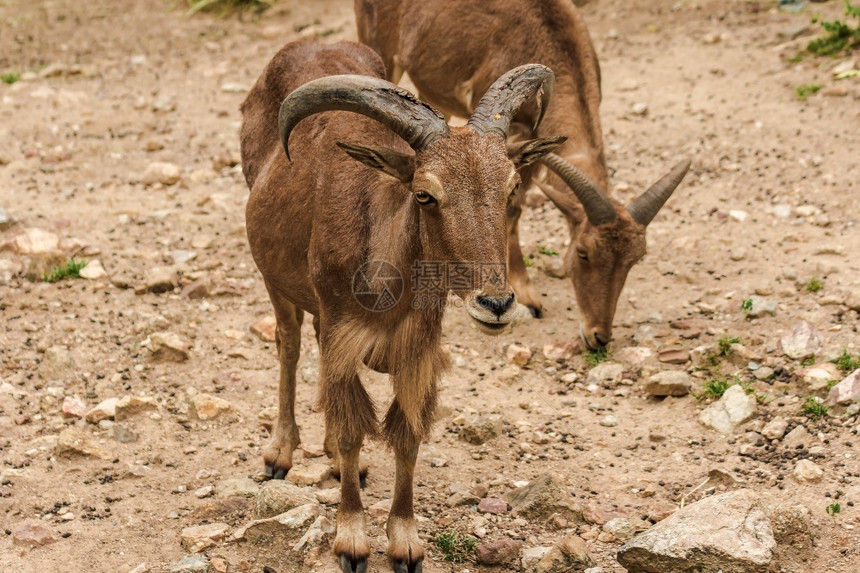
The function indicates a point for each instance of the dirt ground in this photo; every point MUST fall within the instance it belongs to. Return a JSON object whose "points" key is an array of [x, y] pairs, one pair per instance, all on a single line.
{"points": [[772, 201]]}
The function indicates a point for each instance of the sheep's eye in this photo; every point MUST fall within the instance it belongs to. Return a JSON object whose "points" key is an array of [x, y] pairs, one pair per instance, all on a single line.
{"points": [[424, 198], [515, 189], [582, 254]]}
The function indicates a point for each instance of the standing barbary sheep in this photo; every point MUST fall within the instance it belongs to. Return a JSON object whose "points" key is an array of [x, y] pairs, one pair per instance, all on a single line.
{"points": [[453, 50], [335, 231]]}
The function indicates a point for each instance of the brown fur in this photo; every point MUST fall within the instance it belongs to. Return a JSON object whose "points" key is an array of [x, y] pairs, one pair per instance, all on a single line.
{"points": [[453, 49], [314, 221]]}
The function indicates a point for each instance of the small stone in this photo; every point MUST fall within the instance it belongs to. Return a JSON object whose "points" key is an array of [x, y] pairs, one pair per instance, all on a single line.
{"points": [[479, 429], [129, 406], [264, 329], [738, 215], [498, 552], [136, 470], [542, 497], [168, 347], [182, 256], [74, 407], [461, 498], [799, 436], [775, 429], [532, 556], [141, 568], [199, 537], [605, 373], [732, 409], [93, 271], [204, 491], [818, 376], [571, 555], [380, 510], [741, 356], [639, 108], [32, 533], [807, 471], [608, 421], [329, 496], [321, 528], [191, 564], [237, 487], [234, 88], [278, 496], [760, 307], [803, 341], [493, 505], [161, 172], [669, 383], [159, 280], [104, 410], [764, 373], [75, 442], [620, 528], [847, 391], [518, 355], [312, 474], [208, 407], [674, 355], [561, 351], [34, 241], [634, 355], [7, 221]]}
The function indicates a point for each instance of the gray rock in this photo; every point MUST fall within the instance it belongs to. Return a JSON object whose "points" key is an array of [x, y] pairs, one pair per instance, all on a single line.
{"points": [[817, 376], [542, 497], [168, 347], [463, 497], [764, 373], [620, 528], [123, 434], [728, 532], [278, 496], [732, 409], [311, 474], [199, 537], [847, 391], [479, 429], [239, 487], [532, 556], [669, 383], [803, 341], [797, 437], [807, 471], [605, 373], [760, 307], [161, 172], [191, 564]]}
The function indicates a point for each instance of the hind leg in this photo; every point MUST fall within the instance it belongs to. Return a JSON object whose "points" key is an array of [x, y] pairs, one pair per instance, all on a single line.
{"points": [[278, 454]]}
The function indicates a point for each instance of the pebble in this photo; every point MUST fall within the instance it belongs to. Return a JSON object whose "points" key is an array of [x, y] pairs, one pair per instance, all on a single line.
{"points": [[104, 410], [760, 307], [818, 376], [605, 373], [738, 215], [620, 528], [531, 556], [732, 409], [123, 434], [498, 552], [674, 355], [639, 108], [32, 533], [265, 328], [517, 354], [775, 429], [129, 406], [493, 505], [168, 347], [478, 430], [461, 498], [74, 407], [7, 221], [634, 355], [542, 497], [161, 172], [278, 496], [75, 442], [204, 491], [807, 471], [847, 391], [34, 241], [287, 524], [799, 436], [329, 496], [571, 554], [191, 564], [199, 537], [561, 351], [57, 364], [237, 487], [311, 474], [801, 342], [321, 528], [669, 383], [93, 271], [609, 421], [764, 373], [159, 280], [208, 407]]}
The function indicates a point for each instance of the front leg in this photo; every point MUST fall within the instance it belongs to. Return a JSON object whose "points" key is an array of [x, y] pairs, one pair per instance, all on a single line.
{"points": [[351, 545]]}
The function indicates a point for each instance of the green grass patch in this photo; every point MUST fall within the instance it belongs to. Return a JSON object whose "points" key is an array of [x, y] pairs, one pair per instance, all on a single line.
{"points": [[595, 357], [725, 344], [808, 361], [547, 251], [10, 77], [72, 270], [846, 363], [806, 90], [814, 284], [839, 36], [454, 546], [746, 305], [528, 262], [716, 387], [833, 509], [814, 409]]}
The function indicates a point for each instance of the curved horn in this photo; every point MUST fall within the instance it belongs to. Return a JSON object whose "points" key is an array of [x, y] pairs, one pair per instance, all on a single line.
{"points": [[598, 207], [507, 94], [396, 108], [645, 207]]}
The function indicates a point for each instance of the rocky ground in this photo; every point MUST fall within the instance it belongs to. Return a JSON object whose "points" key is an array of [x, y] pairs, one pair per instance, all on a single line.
{"points": [[134, 402]]}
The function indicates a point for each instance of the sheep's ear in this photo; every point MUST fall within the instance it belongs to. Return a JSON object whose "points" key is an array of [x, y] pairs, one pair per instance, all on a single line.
{"points": [[399, 165], [526, 152]]}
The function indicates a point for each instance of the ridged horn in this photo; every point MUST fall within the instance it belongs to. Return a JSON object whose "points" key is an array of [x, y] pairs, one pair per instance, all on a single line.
{"points": [[645, 206], [413, 120], [598, 207], [507, 95]]}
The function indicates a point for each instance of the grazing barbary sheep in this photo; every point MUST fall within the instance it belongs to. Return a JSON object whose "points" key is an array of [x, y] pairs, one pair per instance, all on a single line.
{"points": [[367, 198], [453, 49]]}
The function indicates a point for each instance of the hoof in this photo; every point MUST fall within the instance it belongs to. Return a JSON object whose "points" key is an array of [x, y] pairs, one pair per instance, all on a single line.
{"points": [[536, 312], [402, 566], [348, 565], [274, 471]]}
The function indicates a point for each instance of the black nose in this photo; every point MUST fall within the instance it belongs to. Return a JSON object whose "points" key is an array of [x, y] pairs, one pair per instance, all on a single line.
{"points": [[600, 340], [496, 305]]}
